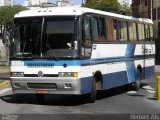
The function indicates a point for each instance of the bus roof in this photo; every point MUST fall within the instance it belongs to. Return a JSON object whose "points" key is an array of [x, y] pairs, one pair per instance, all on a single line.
{"points": [[73, 11]]}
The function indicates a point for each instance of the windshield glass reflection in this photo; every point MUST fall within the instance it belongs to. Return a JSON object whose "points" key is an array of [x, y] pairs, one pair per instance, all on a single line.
{"points": [[55, 37]]}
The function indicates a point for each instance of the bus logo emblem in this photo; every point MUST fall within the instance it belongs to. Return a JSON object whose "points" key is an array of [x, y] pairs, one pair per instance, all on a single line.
{"points": [[40, 74]]}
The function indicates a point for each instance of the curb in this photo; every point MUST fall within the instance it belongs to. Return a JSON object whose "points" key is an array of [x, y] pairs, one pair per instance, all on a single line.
{"points": [[3, 84]]}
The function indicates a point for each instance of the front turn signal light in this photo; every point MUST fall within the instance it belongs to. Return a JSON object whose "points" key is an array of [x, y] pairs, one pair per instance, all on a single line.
{"points": [[75, 74]]}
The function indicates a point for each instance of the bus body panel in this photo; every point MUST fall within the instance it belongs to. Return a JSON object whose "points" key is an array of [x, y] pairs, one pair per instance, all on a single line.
{"points": [[27, 85]]}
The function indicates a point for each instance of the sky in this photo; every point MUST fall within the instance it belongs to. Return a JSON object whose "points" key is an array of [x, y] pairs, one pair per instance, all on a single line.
{"points": [[54, 1]]}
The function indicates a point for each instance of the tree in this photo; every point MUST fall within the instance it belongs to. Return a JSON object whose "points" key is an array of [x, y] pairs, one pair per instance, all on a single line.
{"points": [[6, 19], [106, 5], [126, 9], [7, 14]]}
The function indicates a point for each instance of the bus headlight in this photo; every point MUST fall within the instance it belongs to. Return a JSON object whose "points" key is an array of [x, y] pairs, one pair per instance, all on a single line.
{"points": [[17, 74], [68, 74]]}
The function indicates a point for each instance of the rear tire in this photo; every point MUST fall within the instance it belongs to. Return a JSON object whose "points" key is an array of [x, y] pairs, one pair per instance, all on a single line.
{"points": [[137, 84]]}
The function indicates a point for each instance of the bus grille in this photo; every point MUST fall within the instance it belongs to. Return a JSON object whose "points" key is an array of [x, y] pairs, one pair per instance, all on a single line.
{"points": [[42, 85]]}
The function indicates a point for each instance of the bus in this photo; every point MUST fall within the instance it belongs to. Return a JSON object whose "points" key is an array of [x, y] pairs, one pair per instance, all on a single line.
{"points": [[78, 51]]}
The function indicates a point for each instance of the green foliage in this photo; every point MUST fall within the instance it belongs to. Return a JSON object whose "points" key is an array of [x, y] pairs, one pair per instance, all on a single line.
{"points": [[127, 9], [106, 5], [7, 14]]}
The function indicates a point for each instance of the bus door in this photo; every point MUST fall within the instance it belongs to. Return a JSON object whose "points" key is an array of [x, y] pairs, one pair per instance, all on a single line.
{"points": [[86, 38]]}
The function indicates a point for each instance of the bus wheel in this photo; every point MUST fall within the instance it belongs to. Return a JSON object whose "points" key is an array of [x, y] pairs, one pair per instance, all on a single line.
{"points": [[40, 98], [92, 95], [137, 83]]}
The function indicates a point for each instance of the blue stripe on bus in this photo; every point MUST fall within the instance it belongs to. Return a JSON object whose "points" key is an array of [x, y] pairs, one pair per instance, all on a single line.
{"points": [[131, 66], [112, 59], [131, 71], [130, 50], [78, 62], [111, 80], [52, 63]]}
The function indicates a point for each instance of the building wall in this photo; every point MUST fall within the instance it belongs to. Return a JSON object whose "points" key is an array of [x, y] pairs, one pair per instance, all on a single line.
{"points": [[142, 8], [5, 2], [37, 2], [1, 2], [156, 19]]}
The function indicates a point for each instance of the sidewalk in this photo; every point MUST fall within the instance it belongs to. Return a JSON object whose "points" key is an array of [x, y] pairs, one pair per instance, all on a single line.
{"points": [[4, 72], [4, 75]]}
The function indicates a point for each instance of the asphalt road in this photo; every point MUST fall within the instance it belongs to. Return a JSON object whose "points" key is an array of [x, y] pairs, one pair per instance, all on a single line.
{"points": [[116, 101]]}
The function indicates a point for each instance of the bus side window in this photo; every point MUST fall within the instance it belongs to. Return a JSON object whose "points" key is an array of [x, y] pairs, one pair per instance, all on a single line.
{"points": [[132, 31], [86, 37], [101, 28], [115, 25], [110, 32], [151, 32], [87, 32], [147, 34], [118, 32], [94, 23], [98, 29], [123, 36], [141, 32]]}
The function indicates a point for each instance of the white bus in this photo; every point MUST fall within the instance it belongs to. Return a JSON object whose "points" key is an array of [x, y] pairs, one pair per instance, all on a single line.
{"points": [[68, 50]]}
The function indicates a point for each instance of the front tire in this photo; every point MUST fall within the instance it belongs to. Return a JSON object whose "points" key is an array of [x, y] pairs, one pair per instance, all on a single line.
{"points": [[92, 95], [40, 98]]}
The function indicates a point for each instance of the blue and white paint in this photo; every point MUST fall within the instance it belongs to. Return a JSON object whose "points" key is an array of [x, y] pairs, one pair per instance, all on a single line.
{"points": [[117, 63]]}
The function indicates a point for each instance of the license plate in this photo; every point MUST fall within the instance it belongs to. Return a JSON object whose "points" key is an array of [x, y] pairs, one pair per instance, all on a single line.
{"points": [[42, 91]]}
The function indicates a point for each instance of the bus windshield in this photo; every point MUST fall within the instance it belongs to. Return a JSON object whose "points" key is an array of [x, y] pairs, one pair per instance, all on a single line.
{"points": [[44, 37]]}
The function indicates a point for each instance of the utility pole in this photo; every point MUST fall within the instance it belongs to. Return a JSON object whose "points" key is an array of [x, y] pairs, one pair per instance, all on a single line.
{"points": [[151, 9]]}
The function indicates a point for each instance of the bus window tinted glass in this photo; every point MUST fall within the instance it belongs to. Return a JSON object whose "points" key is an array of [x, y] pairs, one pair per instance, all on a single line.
{"points": [[122, 30], [141, 32], [115, 24], [86, 38], [94, 28], [147, 34], [98, 29], [101, 26], [132, 31], [26, 37], [60, 27], [151, 33], [86, 26], [110, 30]]}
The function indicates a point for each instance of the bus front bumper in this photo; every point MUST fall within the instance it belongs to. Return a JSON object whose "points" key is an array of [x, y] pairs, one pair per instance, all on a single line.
{"points": [[36, 85]]}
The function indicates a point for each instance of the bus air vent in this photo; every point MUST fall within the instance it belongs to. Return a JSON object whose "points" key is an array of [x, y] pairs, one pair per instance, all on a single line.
{"points": [[40, 65]]}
